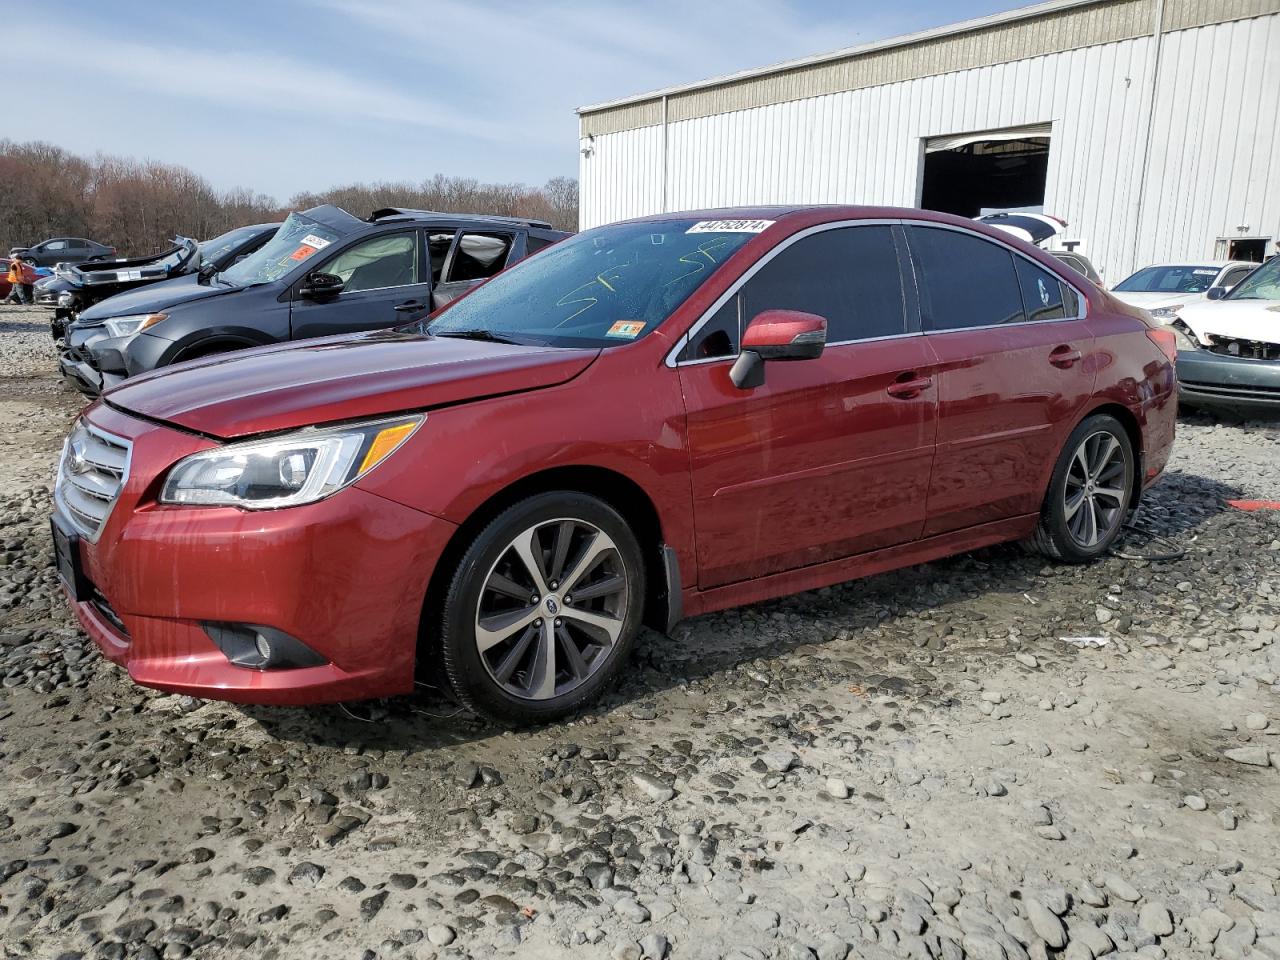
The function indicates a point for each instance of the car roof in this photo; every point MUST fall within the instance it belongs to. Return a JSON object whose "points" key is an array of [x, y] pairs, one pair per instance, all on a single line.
{"points": [[397, 214]]}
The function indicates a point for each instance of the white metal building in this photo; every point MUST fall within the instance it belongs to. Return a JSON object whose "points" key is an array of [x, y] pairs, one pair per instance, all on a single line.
{"points": [[1151, 126]]}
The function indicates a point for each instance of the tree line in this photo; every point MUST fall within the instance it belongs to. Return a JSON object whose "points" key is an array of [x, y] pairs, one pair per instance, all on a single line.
{"points": [[137, 206]]}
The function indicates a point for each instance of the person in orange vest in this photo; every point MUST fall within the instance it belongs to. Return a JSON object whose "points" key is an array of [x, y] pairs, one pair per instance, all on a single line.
{"points": [[22, 277]]}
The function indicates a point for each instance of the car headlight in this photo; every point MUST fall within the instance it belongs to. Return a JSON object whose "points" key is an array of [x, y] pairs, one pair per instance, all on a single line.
{"points": [[132, 324], [287, 471], [1167, 313], [1182, 337]]}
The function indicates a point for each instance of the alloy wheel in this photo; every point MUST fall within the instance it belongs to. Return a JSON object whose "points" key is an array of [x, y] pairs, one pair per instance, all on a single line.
{"points": [[1096, 491], [552, 608]]}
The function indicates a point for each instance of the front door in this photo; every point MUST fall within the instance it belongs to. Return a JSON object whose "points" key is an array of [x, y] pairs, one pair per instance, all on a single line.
{"points": [[830, 457], [384, 285], [1014, 370]]}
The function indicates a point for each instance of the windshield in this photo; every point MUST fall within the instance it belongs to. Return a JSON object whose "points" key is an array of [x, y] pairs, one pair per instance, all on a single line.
{"points": [[221, 245], [601, 288], [1262, 284], [298, 239], [1170, 279]]}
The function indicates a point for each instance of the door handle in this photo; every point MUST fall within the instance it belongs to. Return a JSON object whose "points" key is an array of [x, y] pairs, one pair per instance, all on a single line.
{"points": [[913, 386], [409, 306], [1064, 356]]}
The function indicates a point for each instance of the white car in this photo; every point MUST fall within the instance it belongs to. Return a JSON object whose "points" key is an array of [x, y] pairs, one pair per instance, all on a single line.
{"points": [[1163, 288]]}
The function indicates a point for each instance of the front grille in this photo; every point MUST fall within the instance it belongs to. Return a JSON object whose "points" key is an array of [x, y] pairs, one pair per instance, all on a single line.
{"points": [[1245, 349], [90, 476]]}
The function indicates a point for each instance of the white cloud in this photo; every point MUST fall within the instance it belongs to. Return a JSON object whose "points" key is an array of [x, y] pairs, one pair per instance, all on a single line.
{"points": [[237, 82]]}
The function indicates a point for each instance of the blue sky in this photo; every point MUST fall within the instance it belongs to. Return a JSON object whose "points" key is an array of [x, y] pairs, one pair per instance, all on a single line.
{"points": [[288, 95]]}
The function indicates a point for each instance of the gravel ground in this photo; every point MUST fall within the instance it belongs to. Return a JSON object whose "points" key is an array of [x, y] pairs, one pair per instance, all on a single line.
{"points": [[915, 765]]}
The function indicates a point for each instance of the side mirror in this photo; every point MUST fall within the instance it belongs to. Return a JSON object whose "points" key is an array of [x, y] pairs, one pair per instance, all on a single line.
{"points": [[777, 335], [1216, 293], [319, 285]]}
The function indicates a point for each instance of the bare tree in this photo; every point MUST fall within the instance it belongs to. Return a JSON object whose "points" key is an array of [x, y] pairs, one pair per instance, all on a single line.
{"points": [[137, 206]]}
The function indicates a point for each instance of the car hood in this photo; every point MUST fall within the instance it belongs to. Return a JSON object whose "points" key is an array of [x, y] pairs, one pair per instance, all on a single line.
{"points": [[153, 298], [1152, 301], [339, 378], [1236, 319]]}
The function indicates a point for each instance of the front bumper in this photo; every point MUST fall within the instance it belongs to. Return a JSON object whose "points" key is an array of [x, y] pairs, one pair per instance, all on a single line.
{"points": [[346, 576], [1213, 380]]}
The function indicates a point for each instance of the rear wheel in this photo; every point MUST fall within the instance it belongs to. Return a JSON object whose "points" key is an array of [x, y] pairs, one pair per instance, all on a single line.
{"points": [[543, 609], [1089, 494]]}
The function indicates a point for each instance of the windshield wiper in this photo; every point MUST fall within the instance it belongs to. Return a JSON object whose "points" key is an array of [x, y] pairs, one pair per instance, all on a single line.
{"points": [[486, 335]]}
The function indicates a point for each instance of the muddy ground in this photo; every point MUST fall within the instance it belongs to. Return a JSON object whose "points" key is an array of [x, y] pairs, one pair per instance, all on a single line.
{"points": [[915, 765]]}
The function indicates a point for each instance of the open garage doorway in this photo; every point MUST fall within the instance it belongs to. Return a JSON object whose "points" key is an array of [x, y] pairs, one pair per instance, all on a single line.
{"points": [[975, 173]]}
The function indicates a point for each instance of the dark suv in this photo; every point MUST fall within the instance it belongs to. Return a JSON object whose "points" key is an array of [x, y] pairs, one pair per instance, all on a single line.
{"points": [[324, 272]]}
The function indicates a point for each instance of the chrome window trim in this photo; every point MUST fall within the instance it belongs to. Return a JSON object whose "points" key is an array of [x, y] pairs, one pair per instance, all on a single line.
{"points": [[683, 341], [113, 440]]}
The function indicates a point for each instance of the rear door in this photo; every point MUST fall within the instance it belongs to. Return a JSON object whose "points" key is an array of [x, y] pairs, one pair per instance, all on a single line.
{"points": [[1014, 370], [830, 457], [385, 284], [476, 256]]}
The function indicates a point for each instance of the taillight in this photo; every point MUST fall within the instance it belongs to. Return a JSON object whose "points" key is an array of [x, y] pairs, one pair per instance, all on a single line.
{"points": [[1163, 338]]}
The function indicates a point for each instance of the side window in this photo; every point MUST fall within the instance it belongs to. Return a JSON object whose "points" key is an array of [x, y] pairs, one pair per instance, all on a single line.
{"points": [[438, 243], [533, 244], [479, 256], [965, 281], [720, 335], [78, 244], [848, 275], [1234, 276], [1041, 292], [55, 245], [381, 262], [1070, 299]]}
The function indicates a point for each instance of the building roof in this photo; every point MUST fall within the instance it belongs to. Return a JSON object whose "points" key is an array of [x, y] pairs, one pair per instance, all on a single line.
{"points": [[1050, 27]]}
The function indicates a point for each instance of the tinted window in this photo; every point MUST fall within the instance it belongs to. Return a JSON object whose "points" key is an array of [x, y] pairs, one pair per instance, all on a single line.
{"points": [[377, 263], [78, 244], [1041, 291], [849, 276], [1234, 276], [1070, 299], [964, 281], [533, 244], [479, 256]]}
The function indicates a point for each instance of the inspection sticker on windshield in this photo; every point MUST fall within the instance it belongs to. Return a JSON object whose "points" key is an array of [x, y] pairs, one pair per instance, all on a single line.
{"points": [[1205, 273], [626, 329], [311, 240], [304, 251], [730, 226]]}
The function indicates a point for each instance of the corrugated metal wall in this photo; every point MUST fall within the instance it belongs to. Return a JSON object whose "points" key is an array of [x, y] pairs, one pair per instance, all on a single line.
{"points": [[1214, 136]]}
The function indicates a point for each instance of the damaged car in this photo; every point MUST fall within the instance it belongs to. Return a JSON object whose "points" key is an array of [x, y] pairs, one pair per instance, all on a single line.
{"points": [[75, 287], [323, 272], [1229, 346]]}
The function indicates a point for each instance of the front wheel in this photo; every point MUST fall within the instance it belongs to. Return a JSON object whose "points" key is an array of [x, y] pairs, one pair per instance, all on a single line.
{"points": [[1089, 494], [543, 609]]}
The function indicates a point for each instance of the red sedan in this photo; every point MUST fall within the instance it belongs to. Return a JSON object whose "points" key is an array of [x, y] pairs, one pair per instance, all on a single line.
{"points": [[649, 420]]}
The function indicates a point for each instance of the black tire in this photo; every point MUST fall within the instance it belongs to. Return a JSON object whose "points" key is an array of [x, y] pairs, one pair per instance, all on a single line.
{"points": [[471, 674], [1055, 537]]}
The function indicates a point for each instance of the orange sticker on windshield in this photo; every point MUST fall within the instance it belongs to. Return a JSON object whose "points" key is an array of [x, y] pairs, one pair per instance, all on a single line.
{"points": [[304, 251], [626, 329]]}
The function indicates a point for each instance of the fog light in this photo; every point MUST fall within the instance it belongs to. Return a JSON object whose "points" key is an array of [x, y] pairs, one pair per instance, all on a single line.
{"points": [[261, 648]]}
